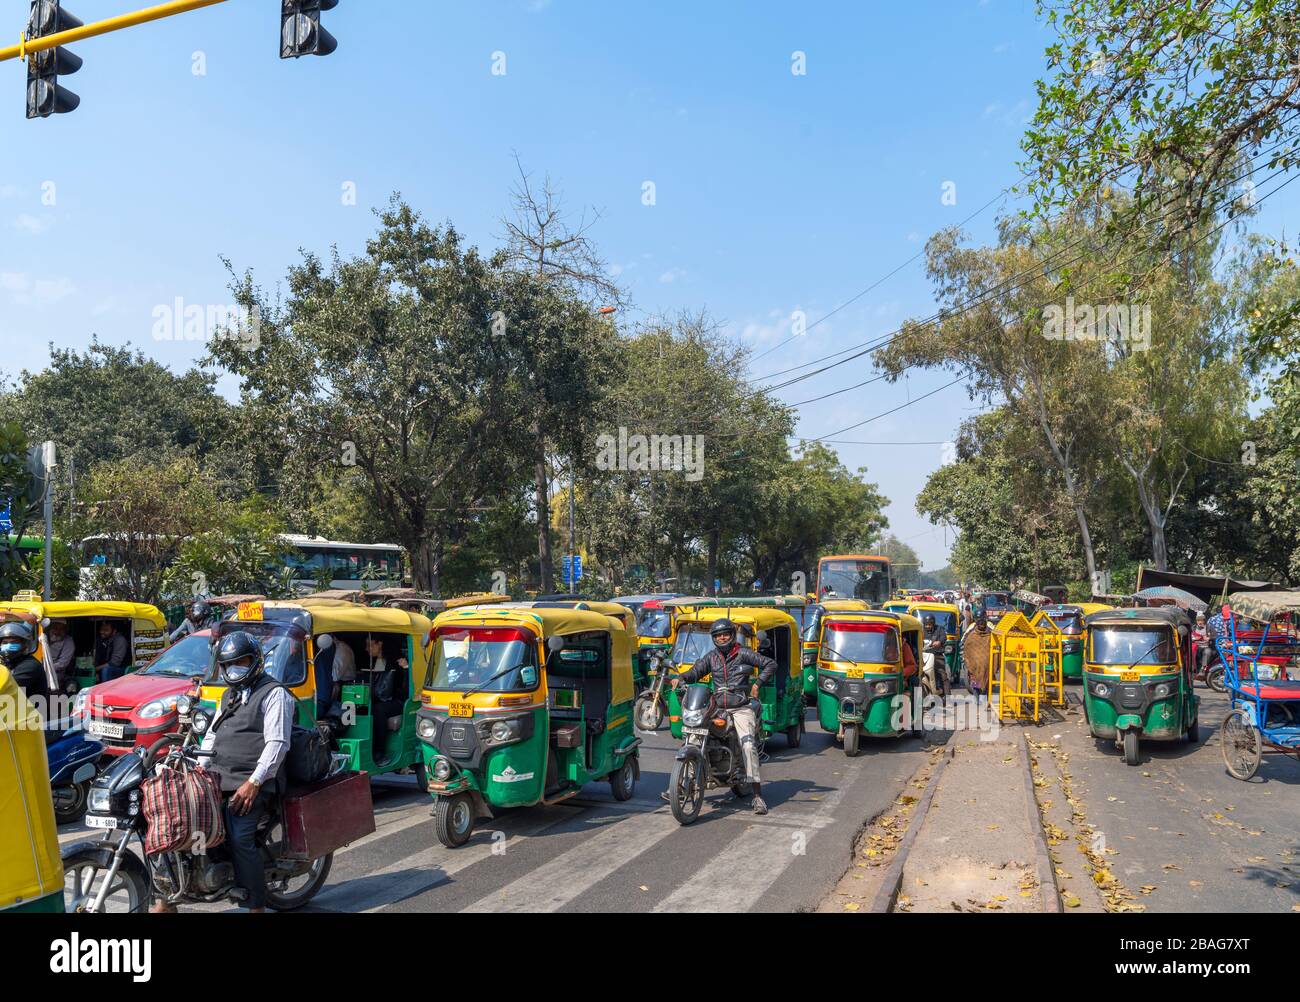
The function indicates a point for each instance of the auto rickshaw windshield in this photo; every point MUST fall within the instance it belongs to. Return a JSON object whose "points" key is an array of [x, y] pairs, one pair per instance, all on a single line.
{"points": [[488, 659], [860, 643], [655, 623], [1069, 622], [1127, 645], [692, 644], [284, 650], [946, 622]]}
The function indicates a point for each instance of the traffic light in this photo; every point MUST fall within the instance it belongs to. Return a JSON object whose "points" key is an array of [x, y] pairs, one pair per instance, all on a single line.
{"points": [[44, 95], [301, 33]]}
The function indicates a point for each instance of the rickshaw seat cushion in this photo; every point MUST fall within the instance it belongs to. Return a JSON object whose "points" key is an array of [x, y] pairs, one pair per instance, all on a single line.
{"points": [[1271, 690]]}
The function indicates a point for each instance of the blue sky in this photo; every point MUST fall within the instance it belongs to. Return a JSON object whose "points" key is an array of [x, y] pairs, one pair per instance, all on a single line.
{"points": [[775, 193]]}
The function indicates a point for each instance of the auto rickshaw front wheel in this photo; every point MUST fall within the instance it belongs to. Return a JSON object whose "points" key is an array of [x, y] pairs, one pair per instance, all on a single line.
{"points": [[850, 740], [1130, 747], [453, 819]]}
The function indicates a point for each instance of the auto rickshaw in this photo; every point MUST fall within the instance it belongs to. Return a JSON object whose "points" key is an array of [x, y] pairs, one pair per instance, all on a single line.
{"points": [[947, 617], [811, 632], [31, 872], [897, 605], [144, 626], [1137, 674], [523, 704], [861, 678], [1069, 621], [378, 709], [763, 627]]}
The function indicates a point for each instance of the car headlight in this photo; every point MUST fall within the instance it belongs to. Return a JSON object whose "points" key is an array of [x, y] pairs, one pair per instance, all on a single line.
{"points": [[99, 801], [692, 718], [1102, 689], [505, 730], [1163, 690], [79, 704], [159, 707], [441, 770], [426, 729]]}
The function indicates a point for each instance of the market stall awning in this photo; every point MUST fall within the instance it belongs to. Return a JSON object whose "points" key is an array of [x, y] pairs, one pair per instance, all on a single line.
{"points": [[1206, 587]]}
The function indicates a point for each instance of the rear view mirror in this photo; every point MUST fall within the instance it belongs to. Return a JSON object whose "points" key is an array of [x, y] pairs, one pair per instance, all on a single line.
{"points": [[554, 644]]}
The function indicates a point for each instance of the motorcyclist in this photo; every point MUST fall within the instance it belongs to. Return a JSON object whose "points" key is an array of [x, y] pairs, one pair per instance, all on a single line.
{"points": [[17, 650], [195, 621], [735, 688], [932, 652]]}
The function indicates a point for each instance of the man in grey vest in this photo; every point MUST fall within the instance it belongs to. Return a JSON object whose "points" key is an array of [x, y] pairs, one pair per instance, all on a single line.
{"points": [[248, 743]]}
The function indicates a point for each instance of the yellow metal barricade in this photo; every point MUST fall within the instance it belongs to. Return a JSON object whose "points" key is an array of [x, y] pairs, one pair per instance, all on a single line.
{"points": [[1016, 668], [1051, 646]]}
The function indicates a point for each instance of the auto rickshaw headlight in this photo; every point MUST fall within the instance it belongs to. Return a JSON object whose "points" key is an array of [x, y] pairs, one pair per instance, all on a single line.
{"points": [[828, 684], [1101, 689], [426, 729], [1163, 690], [505, 730], [881, 688], [441, 770]]}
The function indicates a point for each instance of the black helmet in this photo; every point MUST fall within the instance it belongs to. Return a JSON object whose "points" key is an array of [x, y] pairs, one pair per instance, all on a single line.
{"points": [[233, 648], [17, 639], [721, 626], [928, 622], [200, 609]]}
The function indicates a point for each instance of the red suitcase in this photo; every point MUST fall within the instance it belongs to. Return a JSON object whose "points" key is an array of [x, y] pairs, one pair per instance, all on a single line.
{"points": [[326, 816]]}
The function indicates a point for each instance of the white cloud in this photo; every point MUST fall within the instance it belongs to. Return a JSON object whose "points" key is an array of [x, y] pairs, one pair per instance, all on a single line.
{"points": [[32, 224], [672, 275], [23, 290]]}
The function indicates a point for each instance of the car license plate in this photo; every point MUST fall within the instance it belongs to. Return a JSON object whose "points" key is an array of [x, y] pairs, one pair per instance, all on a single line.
{"points": [[100, 821], [461, 710], [105, 730], [695, 730], [1130, 676]]}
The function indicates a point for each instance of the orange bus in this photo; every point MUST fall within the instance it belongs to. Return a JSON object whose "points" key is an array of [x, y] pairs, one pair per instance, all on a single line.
{"points": [[855, 575]]}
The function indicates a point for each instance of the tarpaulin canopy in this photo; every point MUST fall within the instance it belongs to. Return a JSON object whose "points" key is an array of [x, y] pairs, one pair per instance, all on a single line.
{"points": [[1177, 596], [1263, 606], [1208, 588]]}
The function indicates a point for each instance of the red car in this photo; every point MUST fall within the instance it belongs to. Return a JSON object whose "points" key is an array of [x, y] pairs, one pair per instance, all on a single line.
{"points": [[136, 710]]}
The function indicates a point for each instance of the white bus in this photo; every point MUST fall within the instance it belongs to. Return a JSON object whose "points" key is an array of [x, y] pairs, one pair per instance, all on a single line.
{"points": [[349, 565]]}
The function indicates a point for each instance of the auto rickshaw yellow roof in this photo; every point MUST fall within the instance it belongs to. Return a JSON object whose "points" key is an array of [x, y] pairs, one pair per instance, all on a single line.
{"points": [[845, 604], [550, 621], [905, 621], [88, 610], [760, 617], [934, 607], [1088, 608], [329, 616]]}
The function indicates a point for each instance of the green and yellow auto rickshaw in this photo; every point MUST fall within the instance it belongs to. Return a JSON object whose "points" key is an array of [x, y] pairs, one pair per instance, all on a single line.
{"points": [[31, 872], [144, 626], [1137, 671], [763, 627], [863, 681], [811, 633], [1069, 621], [373, 714], [947, 617], [523, 704]]}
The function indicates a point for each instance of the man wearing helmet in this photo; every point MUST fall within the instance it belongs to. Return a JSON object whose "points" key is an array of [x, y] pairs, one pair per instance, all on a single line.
{"points": [[17, 647], [192, 623], [247, 745], [732, 666]]}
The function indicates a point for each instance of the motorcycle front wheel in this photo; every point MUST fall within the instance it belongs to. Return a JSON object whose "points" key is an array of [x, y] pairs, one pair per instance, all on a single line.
{"points": [[84, 869], [686, 791], [648, 712]]}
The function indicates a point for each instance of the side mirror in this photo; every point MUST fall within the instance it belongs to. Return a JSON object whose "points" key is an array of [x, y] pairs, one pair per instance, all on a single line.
{"points": [[554, 644]]}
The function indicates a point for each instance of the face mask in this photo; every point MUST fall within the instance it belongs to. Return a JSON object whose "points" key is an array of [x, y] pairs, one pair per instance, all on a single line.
{"points": [[11, 650]]}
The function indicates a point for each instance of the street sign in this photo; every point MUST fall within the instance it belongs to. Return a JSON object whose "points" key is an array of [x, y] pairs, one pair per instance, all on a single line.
{"points": [[573, 573], [6, 519]]}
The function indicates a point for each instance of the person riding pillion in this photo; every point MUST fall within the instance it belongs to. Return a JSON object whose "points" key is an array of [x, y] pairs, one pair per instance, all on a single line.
{"points": [[736, 689], [247, 745], [195, 620]]}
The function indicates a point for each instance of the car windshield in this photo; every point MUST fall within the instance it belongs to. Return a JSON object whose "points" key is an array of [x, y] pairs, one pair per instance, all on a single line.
{"points": [[654, 623], [187, 659], [692, 644], [1126, 645], [491, 659], [860, 643]]}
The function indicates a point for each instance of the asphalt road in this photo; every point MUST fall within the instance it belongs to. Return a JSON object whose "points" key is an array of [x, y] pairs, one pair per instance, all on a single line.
{"points": [[593, 854], [1182, 826]]}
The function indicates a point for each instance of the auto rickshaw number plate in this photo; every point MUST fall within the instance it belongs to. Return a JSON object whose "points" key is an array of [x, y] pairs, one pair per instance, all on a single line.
{"points": [[855, 672], [1130, 676], [460, 710]]}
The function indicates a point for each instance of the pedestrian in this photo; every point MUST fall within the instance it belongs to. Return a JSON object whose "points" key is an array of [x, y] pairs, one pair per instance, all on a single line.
{"points": [[975, 655]]}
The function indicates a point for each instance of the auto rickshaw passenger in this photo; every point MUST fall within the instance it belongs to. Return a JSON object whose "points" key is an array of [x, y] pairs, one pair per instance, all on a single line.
{"points": [[62, 651], [388, 686], [112, 652]]}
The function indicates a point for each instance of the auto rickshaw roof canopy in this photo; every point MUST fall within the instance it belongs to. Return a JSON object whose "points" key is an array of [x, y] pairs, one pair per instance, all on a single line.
{"points": [[905, 621], [1161, 615], [89, 610], [933, 607], [30, 867], [330, 616], [845, 604], [1264, 606]]}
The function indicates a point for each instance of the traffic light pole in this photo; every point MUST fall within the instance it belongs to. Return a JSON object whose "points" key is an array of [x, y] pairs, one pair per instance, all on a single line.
{"points": [[27, 47]]}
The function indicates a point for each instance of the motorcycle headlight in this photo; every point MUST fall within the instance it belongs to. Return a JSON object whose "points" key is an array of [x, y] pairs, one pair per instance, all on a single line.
{"points": [[426, 729], [202, 721], [441, 770], [692, 718], [99, 801], [185, 705], [159, 707]]}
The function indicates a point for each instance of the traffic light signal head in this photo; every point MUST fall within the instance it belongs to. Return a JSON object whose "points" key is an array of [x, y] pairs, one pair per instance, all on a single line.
{"points": [[301, 33], [44, 95]]}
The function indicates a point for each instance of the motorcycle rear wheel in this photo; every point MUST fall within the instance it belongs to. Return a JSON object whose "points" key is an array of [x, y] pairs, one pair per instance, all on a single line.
{"points": [[292, 900]]}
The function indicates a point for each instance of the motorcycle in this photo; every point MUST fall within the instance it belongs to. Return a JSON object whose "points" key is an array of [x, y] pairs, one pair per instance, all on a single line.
{"points": [[651, 705], [710, 756], [106, 876], [1209, 670], [934, 670], [74, 762]]}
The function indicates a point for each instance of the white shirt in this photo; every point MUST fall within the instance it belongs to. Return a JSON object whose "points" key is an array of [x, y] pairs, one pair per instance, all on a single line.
{"points": [[277, 730], [345, 662]]}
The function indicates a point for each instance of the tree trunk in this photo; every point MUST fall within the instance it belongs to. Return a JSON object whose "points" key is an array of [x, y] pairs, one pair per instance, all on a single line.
{"points": [[542, 487], [426, 564]]}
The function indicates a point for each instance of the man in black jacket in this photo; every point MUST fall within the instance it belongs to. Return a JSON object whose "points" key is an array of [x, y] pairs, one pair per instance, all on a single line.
{"points": [[732, 667], [17, 647]]}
